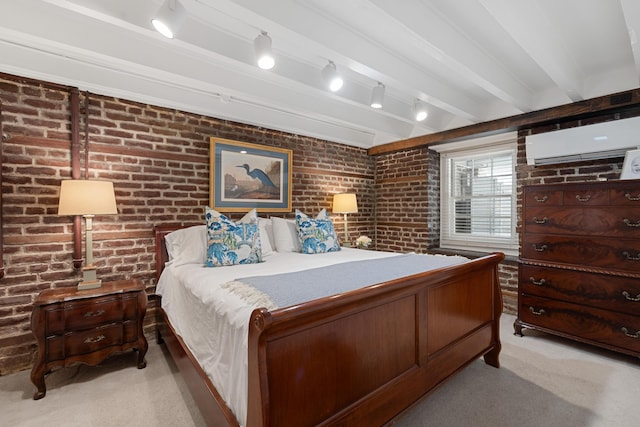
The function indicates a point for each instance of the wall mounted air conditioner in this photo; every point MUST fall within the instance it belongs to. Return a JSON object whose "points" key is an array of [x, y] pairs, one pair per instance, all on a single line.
{"points": [[597, 141]]}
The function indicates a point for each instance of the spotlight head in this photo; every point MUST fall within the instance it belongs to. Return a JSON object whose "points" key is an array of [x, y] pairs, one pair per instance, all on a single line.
{"points": [[377, 96], [262, 46], [420, 110], [169, 18], [331, 76]]}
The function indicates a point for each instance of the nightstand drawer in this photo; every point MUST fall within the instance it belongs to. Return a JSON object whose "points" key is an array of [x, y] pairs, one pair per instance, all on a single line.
{"points": [[77, 316], [76, 343]]}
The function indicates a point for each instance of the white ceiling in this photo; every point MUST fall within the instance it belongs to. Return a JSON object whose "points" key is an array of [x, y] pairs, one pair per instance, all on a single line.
{"points": [[470, 60]]}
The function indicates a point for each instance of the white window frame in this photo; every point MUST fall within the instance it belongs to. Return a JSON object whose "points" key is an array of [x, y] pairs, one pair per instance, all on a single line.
{"points": [[469, 149]]}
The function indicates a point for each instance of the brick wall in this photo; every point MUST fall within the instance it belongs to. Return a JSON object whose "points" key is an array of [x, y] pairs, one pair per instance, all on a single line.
{"points": [[406, 201], [158, 160]]}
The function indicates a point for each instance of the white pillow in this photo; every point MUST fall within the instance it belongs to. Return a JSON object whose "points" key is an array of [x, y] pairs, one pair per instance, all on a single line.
{"points": [[263, 228], [285, 235], [187, 245]]}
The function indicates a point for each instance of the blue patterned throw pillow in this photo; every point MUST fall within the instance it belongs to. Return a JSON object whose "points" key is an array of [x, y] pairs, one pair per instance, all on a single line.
{"points": [[232, 243], [316, 235]]}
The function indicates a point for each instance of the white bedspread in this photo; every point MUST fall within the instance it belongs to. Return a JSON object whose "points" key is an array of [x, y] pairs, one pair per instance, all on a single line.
{"points": [[214, 322]]}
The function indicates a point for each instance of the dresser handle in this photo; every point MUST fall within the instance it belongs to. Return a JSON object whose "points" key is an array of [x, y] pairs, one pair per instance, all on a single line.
{"points": [[94, 340], [540, 282], [626, 332], [537, 313], [583, 199], [629, 297], [540, 221], [541, 200], [630, 197], [94, 313], [539, 248], [631, 223], [630, 257]]}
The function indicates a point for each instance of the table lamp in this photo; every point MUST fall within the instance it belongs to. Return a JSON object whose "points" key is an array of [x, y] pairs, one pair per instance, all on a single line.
{"points": [[87, 198], [345, 203]]}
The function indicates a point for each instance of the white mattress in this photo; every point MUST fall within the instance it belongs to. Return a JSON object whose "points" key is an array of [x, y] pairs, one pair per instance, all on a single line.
{"points": [[213, 322]]}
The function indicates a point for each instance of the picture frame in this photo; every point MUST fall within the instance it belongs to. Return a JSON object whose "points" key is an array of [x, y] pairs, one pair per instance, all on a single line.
{"points": [[631, 165], [243, 176]]}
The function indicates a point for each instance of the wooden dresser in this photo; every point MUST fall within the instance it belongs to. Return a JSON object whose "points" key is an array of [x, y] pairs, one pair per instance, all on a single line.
{"points": [[73, 326], [579, 272]]}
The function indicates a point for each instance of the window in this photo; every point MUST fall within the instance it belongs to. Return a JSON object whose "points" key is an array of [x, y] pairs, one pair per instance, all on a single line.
{"points": [[478, 203]]}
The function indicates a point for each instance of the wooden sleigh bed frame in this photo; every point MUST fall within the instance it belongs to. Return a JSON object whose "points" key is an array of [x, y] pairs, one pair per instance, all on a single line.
{"points": [[359, 359]]}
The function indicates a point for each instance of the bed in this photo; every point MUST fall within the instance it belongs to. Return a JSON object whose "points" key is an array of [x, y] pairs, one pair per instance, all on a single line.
{"points": [[359, 358]]}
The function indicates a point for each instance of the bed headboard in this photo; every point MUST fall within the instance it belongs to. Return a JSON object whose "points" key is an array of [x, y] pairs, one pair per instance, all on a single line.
{"points": [[162, 255]]}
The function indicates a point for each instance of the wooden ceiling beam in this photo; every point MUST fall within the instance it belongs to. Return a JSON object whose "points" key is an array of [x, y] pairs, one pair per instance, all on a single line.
{"points": [[613, 103]]}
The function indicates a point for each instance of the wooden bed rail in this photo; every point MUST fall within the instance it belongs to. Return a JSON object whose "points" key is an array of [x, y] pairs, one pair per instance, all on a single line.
{"points": [[365, 356]]}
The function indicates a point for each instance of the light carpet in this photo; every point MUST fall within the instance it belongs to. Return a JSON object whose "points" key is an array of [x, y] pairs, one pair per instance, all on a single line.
{"points": [[543, 381]]}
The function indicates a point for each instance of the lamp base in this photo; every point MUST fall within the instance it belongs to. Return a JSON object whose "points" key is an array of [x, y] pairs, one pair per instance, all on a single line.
{"points": [[89, 280], [89, 285]]}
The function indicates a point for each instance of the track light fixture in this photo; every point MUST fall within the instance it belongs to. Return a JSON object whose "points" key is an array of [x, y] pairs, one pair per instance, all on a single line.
{"points": [[420, 110], [262, 46], [331, 76], [377, 96], [169, 18]]}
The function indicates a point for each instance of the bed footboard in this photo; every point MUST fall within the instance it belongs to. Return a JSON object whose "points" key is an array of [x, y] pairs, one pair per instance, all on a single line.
{"points": [[364, 357]]}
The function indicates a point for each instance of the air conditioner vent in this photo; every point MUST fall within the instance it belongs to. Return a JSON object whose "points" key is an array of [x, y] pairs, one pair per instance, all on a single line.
{"points": [[623, 98]]}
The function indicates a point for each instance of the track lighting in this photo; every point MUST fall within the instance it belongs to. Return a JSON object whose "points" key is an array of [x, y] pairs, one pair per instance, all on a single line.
{"points": [[331, 76], [420, 110], [169, 18], [377, 96], [262, 46]]}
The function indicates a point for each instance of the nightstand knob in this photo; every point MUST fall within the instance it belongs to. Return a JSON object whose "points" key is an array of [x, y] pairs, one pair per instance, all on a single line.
{"points": [[628, 296], [94, 313], [94, 340]]}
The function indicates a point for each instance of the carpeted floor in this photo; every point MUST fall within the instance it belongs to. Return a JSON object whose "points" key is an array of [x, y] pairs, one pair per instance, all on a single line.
{"points": [[543, 381]]}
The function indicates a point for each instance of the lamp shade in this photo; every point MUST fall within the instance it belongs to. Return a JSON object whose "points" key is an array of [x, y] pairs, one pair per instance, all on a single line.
{"points": [[345, 203], [87, 197]]}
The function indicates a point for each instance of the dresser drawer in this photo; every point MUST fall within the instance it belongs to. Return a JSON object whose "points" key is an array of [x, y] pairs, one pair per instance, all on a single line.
{"points": [[605, 253], [597, 221], [578, 321], [626, 195], [591, 196], [596, 290], [543, 197], [88, 341]]}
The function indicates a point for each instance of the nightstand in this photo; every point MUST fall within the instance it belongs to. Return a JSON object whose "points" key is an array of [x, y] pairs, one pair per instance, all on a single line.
{"points": [[87, 326]]}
